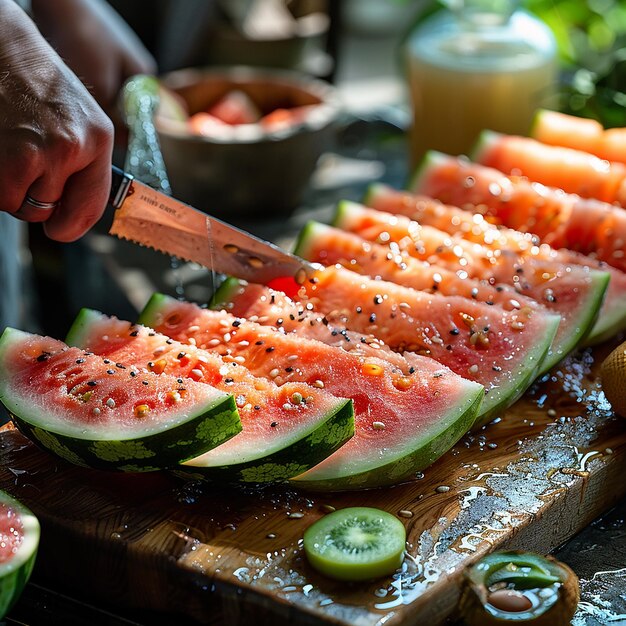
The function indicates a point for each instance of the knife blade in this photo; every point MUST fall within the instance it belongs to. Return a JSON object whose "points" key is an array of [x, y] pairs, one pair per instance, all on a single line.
{"points": [[151, 218]]}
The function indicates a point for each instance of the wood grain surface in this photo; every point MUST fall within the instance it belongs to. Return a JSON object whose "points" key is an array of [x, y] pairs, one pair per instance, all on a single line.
{"points": [[224, 555]]}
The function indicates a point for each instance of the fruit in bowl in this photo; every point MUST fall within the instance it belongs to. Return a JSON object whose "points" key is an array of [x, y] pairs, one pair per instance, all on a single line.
{"points": [[236, 108], [242, 142]]}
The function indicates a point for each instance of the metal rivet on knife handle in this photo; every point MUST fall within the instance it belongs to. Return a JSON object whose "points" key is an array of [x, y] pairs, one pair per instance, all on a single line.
{"points": [[231, 249]]}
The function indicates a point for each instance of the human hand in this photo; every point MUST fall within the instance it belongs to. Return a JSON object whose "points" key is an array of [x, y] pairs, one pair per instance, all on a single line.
{"points": [[101, 49], [55, 141]]}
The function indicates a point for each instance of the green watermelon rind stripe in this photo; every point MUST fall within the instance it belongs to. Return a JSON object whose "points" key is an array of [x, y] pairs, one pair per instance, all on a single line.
{"points": [[486, 140], [371, 192], [521, 383], [223, 294], [581, 326], [306, 237], [159, 450], [430, 159], [420, 452], [510, 393], [149, 314], [14, 574], [608, 324], [290, 461]]}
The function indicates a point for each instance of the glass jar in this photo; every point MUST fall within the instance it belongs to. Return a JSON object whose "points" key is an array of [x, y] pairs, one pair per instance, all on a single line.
{"points": [[478, 64]]}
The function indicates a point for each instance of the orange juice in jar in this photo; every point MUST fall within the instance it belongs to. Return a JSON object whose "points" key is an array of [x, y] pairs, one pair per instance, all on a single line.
{"points": [[483, 64]]}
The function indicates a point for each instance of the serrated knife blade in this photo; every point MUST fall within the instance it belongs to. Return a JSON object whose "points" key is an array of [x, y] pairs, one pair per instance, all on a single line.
{"points": [[151, 218]]}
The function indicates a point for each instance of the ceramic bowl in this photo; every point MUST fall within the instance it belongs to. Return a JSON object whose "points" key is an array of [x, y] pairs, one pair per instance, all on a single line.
{"points": [[245, 171]]}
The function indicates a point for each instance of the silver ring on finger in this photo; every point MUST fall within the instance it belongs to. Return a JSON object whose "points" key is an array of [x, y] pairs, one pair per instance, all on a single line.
{"points": [[38, 204]]}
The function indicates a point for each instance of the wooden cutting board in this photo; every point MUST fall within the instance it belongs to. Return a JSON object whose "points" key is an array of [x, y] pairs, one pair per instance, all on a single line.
{"points": [[229, 556]]}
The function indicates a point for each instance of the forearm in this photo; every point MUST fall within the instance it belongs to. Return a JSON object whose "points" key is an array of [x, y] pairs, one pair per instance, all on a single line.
{"points": [[95, 42]]}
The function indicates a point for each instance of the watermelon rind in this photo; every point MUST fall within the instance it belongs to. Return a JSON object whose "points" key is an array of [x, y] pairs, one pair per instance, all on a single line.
{"points": [[485, 141], [183, 435], [430, 159], [536, 121], [224, 293], [284, 459], [286, 455], [608, 325], [14, 574], [422, 448], [586, 323]]}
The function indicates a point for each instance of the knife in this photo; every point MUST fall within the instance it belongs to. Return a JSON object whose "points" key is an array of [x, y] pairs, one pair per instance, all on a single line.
{"points": [[151, 218]]}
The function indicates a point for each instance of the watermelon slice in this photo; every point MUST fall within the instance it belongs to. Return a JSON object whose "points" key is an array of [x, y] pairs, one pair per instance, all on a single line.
{"points": [[235, 108], [562, 220], [327, 245], [572, 171], [559, 129], [392, 439], [280, 437], [439, 177], [97, 413], [573, 292], [19, 540]]}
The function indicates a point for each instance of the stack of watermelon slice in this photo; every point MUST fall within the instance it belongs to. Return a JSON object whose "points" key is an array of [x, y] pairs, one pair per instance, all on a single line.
{"points": [[426, 320]]}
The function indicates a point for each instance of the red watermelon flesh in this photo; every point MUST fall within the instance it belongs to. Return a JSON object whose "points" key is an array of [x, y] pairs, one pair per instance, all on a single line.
{"points": [[502, 350], [329, 246], [235, 108], [571, 170], [476, 228], [559, 219], [268, 306], [376, 455], [574, 292]]}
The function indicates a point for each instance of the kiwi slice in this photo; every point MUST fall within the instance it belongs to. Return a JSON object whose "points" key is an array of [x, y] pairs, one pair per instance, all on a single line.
{"points": [[356, 543]]}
